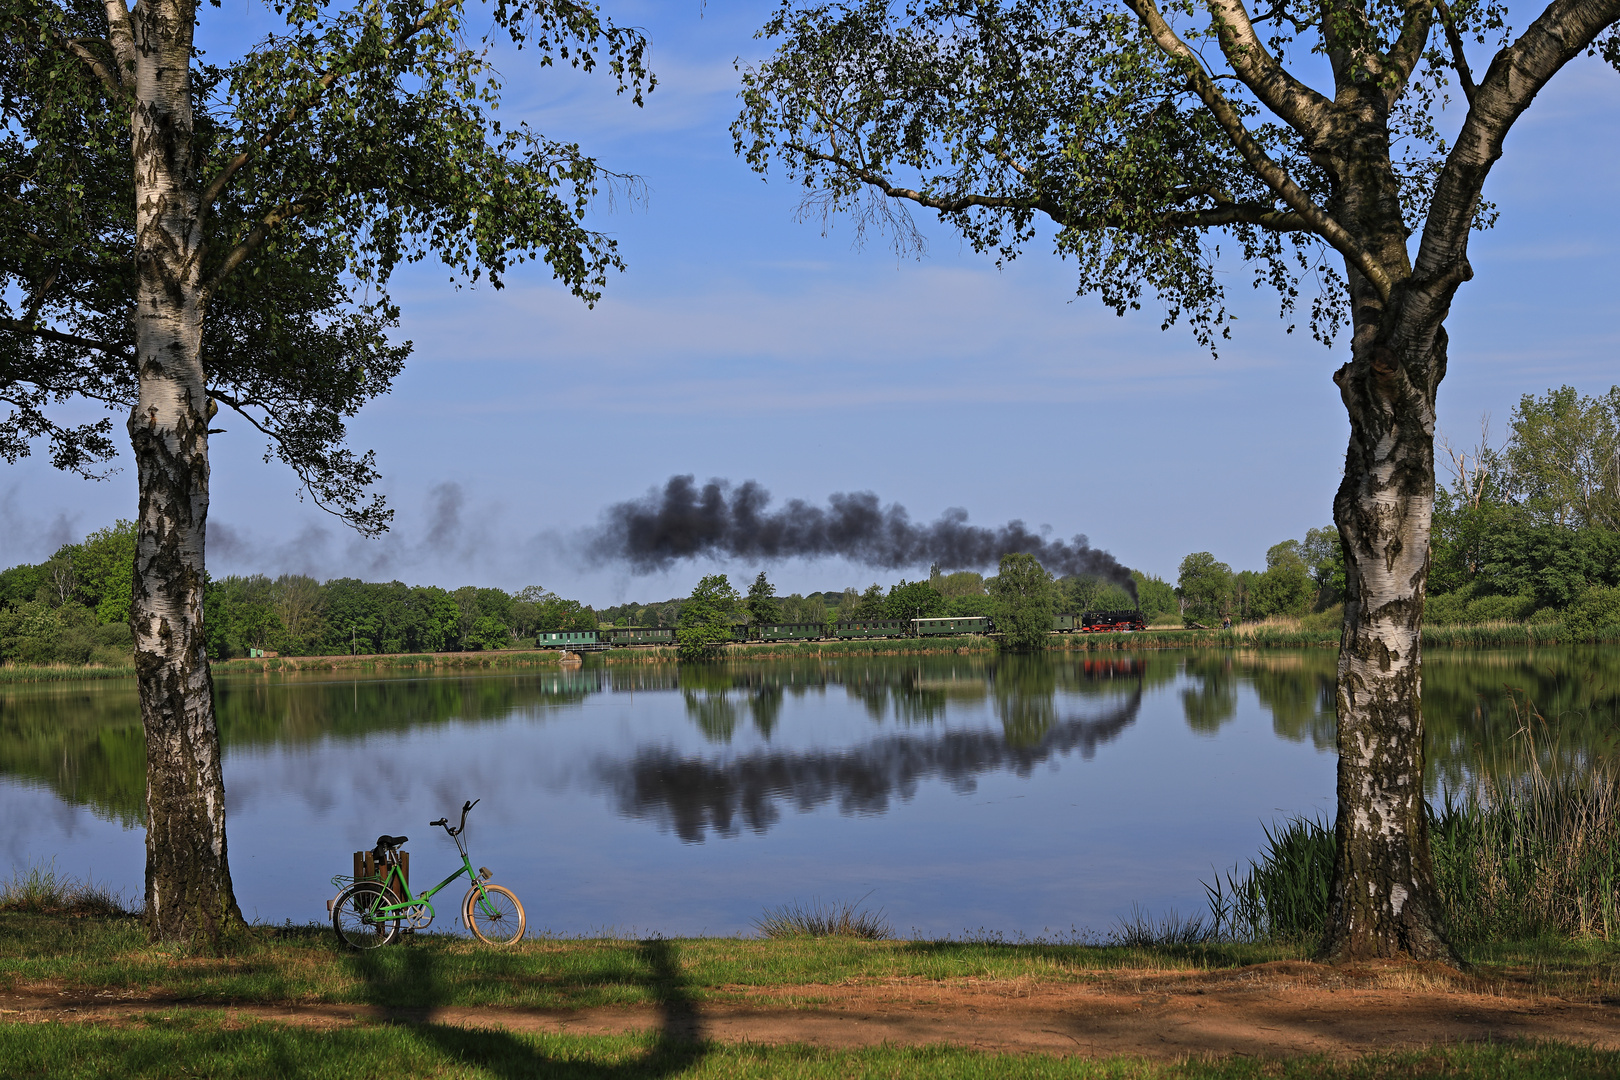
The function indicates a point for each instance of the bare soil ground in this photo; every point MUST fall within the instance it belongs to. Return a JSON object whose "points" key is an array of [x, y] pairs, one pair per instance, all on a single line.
{"points": [[1271, 1010]]}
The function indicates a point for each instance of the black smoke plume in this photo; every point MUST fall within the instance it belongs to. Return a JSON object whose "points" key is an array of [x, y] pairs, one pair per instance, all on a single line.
{"points": [[685, 521]]}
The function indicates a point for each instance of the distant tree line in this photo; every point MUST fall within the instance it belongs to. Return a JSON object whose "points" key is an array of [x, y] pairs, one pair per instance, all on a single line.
{"points": [[1301, 577], [297, 615], [1525, 531], [73, 608], [1530, 530], [961, 594]]}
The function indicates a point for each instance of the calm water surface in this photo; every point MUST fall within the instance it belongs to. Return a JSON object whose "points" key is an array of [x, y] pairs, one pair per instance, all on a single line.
{"points": [[1034, 795]]}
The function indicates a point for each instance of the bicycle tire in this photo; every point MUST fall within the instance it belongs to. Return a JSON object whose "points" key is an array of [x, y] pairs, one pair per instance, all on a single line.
{"points": [[352, 923], [501, 926]]}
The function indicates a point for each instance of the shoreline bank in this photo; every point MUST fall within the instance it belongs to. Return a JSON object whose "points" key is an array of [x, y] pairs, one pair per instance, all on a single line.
{"points": [[1434, 637]]}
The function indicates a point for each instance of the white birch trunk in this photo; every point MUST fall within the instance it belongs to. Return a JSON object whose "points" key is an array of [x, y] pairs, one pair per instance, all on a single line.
{"points": [[188, 882]]}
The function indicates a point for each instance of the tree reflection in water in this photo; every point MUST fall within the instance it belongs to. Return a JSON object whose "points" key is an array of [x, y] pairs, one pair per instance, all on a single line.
{"points": [[83, 740], [694, 797]]}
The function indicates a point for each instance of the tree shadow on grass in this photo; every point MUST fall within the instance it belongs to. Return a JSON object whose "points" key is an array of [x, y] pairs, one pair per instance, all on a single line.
{"points": [[677, 1045]]}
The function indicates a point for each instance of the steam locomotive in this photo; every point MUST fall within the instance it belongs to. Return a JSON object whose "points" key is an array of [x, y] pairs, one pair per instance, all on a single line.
{"points": [[1090, 622]]}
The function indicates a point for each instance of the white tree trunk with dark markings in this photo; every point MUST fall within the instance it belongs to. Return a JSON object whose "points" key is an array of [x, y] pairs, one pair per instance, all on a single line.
{"points": [[1384, 899], [188, 881]]}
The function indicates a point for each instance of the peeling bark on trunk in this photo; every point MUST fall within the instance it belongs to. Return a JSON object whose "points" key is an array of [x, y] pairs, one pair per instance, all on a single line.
{"points": [[188, 880], [1384, 899]]}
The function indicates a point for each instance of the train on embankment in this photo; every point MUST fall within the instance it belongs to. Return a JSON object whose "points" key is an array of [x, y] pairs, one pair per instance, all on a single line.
{"points": [[613, 637]]}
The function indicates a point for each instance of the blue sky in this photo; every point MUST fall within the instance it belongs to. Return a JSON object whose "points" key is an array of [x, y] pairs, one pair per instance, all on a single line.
{"points": [[745, 343]]}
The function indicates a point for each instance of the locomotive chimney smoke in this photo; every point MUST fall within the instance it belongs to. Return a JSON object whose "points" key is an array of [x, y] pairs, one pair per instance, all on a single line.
{"points": [[685, 521]]}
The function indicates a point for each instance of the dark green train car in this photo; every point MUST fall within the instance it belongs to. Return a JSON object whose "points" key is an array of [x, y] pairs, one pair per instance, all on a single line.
{"points": [[869, 628], [1063, 624], [639, 635], [573, 640], [790, 631], [964, 624]]}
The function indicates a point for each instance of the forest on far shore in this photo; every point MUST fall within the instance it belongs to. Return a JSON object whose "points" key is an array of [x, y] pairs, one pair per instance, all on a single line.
{"points": [[1525, 531]]}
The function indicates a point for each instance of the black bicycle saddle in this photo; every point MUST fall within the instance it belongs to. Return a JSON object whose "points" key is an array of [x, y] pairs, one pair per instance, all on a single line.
{"points": [[391, 841]]}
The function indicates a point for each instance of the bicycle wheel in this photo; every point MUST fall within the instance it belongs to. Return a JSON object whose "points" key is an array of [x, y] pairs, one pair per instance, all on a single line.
{"points": [[352, 919], [497, 919]]}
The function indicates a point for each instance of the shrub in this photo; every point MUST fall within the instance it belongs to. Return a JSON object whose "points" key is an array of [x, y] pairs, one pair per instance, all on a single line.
{"points": [[1486, 609], [39, 890], [816, 919], [1447, 609], [1597, 609]]}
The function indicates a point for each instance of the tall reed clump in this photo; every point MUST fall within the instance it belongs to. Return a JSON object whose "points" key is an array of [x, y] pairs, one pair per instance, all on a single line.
{"points": [[816, 919], [1532, 849], [24, 673], [40, 890], [1284, 895], [1533, 854]]}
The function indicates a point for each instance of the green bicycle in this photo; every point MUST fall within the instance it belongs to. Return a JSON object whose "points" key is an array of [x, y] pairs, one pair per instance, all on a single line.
{"points": [[370, 913]]}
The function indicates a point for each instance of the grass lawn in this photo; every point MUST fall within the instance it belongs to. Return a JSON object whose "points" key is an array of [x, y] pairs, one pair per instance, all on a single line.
{"points": [[186, 1032], [207, 1046], [304, 965]]}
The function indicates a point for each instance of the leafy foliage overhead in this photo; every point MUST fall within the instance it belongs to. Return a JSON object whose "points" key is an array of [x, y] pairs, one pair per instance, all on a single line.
{"points": [[1126, 126], [351, 141]]}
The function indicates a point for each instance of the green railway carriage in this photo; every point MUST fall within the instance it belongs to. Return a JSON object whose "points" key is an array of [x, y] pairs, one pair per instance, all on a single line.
{"points": [[790, 631], [639, 635], [572, 640], [966, 624], [1063, 624], [868, 628]]}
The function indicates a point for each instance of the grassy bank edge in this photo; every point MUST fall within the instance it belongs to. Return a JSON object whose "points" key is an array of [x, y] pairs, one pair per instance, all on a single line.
{"points": [[1492, 635], [278, 965]]}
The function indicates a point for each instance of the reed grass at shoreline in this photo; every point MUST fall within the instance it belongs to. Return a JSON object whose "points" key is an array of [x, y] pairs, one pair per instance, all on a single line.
{"points": [[35, 673]]}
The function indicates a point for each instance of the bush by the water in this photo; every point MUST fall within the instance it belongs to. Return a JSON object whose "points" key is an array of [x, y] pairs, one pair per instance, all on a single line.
{"points": [[1532, 849], [40, 890], [817, 919]]}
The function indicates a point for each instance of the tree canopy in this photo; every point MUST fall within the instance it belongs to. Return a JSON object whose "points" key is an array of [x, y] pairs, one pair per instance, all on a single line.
{"points": [[762, 605], [706, 617], [1023, 594], [348, 143], [182, 236], [1151, 141]]}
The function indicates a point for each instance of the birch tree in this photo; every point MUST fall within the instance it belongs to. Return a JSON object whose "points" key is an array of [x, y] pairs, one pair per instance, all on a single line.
{"points": [[182, 236], [1157, 138]]}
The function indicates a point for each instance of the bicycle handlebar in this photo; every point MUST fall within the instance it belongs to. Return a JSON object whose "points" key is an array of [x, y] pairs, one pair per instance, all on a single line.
{"points": [[445, 822]]}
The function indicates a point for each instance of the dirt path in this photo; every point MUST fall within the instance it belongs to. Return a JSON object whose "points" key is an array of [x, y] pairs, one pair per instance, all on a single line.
{"points": [[1275, 1010]]}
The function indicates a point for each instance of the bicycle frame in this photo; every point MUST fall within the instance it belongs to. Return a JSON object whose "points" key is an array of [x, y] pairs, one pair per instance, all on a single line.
{"points": [[394, 877]]}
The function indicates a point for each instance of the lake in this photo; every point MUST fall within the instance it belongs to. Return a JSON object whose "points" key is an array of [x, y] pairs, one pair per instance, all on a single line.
{"points": [[1024, 796]]}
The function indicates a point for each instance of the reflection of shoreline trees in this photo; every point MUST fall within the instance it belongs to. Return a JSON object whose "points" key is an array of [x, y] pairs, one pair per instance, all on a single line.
{"points": [[911, 691], [694, 797], [87, 745], [1468, 711], [84, 741]]}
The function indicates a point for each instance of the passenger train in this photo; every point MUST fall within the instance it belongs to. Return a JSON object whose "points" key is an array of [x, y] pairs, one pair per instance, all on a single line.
{"points": [[1090, 622]]}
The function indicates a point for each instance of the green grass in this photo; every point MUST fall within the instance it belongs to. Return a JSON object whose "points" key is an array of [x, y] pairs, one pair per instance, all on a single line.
{"points": [[167, 1045], [303, 964], [1530, 852], [40, 890], [818, 919]]}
